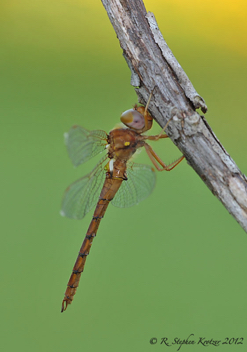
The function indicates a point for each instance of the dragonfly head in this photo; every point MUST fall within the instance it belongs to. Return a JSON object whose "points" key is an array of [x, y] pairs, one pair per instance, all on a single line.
{"points": [[137, 119]]}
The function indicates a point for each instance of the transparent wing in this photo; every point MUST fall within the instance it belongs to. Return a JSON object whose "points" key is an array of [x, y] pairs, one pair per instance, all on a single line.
{"points": [[83, 144], [140, 183], [81, 196]]}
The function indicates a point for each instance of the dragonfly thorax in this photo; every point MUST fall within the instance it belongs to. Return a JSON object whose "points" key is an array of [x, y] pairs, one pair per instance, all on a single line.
{"points": [[123, 143]]}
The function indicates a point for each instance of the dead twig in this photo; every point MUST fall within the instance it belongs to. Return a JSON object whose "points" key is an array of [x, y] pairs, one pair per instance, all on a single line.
{"points": [[152, 64]]}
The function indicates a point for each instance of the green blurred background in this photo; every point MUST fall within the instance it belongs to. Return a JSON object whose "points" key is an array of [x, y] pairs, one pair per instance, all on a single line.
{"points": [[171, 266]]}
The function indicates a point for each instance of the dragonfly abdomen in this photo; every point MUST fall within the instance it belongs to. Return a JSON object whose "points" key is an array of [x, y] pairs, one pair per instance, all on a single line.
{"points": [[110, 188]]}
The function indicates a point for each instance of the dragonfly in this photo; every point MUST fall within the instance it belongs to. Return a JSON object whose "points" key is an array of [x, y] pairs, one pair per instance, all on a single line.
{"points": [[114, 179]]}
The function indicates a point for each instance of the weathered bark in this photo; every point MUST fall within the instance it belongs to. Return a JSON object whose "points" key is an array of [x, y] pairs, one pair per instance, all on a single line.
{"points": [[153, 67]]}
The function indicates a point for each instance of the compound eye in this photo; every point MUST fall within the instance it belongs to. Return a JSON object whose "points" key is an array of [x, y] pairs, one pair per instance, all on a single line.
{"points": [[133, 119]]}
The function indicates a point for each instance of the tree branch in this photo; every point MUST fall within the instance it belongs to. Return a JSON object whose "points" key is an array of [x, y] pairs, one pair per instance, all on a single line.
{"points": [[152, 64]]}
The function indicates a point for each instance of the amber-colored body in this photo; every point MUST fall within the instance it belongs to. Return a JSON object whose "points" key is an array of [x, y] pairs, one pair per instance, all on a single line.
{"points": [[122, 144]]}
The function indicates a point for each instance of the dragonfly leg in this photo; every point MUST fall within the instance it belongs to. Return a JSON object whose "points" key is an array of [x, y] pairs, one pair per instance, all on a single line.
{"points": [[156, 160], [146, 115], [146, 107], [161, 134]]}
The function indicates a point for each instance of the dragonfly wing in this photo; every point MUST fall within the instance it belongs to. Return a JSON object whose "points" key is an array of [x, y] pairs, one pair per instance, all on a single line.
{"points": [[83, 144], [140, 183], [82, 195]]}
